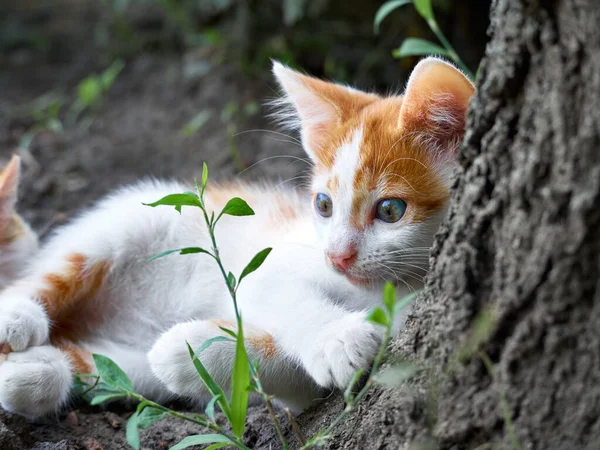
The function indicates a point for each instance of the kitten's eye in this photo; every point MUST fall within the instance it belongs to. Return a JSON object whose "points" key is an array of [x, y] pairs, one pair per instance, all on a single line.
{"points": [[391, 210], [323, 204]]}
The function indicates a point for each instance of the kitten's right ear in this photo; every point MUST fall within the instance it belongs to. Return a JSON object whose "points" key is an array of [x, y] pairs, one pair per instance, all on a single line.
{"points": [[315, 106], [9, 184]]}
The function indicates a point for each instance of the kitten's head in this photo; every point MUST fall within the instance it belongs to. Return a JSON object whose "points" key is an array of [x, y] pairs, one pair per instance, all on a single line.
{"points": [[382, 165], [18, 242]]}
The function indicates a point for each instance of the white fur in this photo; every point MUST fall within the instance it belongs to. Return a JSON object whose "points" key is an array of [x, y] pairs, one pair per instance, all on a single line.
{"points": [[321, 335]]}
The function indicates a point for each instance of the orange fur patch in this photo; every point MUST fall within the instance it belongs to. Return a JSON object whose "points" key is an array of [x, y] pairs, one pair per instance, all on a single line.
{"points": [[345, 104], [263, 344], [81, 360], [392, 161], [69, 297], [260, 341]]}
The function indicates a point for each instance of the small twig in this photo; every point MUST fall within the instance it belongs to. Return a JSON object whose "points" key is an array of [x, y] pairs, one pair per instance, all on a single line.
{"points": [[295, 427]]}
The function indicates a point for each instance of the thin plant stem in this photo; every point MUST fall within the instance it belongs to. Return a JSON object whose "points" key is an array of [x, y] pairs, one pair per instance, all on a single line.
{"points": [[267, 399], [198, 420], [295, 427]]}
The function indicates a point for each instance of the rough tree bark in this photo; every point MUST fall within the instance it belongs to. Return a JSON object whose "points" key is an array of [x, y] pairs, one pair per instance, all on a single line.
{"points": [[521, 241]]}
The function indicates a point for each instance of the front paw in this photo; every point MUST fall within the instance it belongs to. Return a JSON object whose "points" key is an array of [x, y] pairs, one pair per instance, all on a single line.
{"points": [[34, 382], [347, 345], [23, 323]]}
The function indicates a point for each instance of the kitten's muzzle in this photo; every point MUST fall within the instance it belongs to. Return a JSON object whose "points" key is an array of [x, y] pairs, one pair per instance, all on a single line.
{"points": [[342, 261]]}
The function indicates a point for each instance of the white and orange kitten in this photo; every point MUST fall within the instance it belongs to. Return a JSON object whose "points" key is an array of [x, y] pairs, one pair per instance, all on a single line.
{"points": [[380, 185], [18, 242]]}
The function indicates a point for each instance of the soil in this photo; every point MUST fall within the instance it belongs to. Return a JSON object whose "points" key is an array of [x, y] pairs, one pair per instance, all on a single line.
{"points": [[137, 132]]}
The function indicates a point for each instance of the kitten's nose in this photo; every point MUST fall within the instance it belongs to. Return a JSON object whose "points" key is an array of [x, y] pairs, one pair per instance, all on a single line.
{"points": [[343, 260]]}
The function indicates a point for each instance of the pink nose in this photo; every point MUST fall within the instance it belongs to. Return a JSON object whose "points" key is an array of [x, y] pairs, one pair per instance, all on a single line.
{"points": [[343, 260]]}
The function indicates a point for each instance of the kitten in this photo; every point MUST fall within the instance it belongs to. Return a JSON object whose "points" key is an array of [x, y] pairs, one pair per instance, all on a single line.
{"points": [[379, 190], [17, 241]]}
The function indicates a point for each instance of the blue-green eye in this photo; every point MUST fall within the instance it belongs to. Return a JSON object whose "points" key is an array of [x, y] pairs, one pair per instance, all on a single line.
{"points": [[391, 210], [324, 205]]}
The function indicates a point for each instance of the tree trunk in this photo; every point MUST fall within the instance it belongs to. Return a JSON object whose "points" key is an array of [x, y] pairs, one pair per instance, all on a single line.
{"points": [[515, 267]]}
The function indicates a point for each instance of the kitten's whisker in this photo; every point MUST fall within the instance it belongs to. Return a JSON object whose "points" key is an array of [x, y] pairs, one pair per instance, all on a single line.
{"points": [[395, 275], [296, 158], [300, 177], [291, 138]]}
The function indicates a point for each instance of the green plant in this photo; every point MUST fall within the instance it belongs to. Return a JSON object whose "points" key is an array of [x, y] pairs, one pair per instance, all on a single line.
{"points": [[92, 89], [415, 46], [115, 383]]}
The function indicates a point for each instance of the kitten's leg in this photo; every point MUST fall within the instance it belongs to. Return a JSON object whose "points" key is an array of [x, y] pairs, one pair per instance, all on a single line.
{"points": [[281, 376], [30, 305], [38, 380], [330, 342]]}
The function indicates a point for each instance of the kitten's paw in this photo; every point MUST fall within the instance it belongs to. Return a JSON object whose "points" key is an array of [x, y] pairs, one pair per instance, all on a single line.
{"points": [[347, 345], [34, 382], [23, 323], [170, 360]]}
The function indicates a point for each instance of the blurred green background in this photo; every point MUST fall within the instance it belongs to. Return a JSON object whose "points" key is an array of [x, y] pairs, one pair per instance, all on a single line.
{"points": [[96, 93]]}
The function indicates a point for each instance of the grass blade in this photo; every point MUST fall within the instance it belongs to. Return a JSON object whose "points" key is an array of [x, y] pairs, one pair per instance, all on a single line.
{"points": [[385, 10], [418, 47], [210, 384], [203, 439], [240, 380]]}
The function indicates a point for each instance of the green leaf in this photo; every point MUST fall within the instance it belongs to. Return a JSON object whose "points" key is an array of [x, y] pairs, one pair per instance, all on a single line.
{"points": [[424, 9], [240, 380], [215, 446], [177, 200], [150, 416], [237, 207], [210, 408], [255, 263], [102, 398], [210, 384], [182, 251], [389, 296], [231, 280], [385, 9], [229, 332], [395, 375], [202, 439], [111, 373], [404, 302], [89, 90], [110, 74], [378, 316], [417, 47], [211, 341], [348, 392], [132, 432], [197, 122], [204, 176]]}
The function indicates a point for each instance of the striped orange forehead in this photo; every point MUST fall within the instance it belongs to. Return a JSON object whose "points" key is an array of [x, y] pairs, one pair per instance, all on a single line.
{"points": [[392, 163]]}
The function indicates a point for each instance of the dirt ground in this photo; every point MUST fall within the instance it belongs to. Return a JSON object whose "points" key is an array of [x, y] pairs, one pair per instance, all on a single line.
{"points": [[136, 133]]}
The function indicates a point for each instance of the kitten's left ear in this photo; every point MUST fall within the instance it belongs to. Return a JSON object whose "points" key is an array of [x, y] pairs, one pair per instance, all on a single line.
{"points": [[317, 107], [435, 104], [9, 183]]}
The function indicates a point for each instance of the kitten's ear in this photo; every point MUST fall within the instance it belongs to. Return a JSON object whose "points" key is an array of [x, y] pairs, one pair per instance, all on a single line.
{"points": [[316, 106], [9, 183], [435, 104]]}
